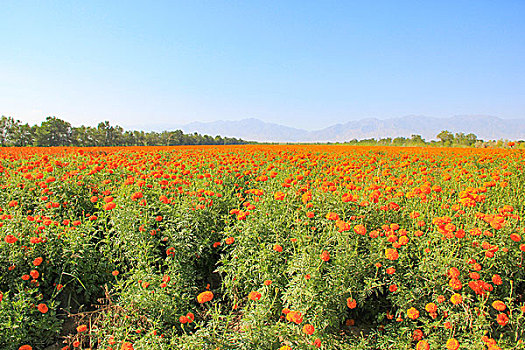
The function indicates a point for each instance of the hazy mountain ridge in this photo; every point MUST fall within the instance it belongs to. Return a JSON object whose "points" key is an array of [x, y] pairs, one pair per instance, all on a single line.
{"points": [[484, 127]]}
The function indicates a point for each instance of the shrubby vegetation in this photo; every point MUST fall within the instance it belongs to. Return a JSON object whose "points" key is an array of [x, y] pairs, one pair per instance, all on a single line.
{"points": [[262, 247]]}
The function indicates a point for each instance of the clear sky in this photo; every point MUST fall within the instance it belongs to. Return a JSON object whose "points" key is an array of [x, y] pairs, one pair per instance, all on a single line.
{"points": [[303, 63]]}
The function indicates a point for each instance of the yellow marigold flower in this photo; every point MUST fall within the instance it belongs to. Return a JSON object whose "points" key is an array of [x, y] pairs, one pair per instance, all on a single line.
{"points": [[431, 307], [456, 299], [412, 313], [452, 344]]}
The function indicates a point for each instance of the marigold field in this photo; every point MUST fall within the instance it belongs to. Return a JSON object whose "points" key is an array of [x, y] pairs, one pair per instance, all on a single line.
{"points": [[262, 247]]}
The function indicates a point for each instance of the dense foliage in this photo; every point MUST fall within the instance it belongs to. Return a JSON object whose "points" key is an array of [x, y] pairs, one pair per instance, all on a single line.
{"points": [[56, 132], [262, 247]]}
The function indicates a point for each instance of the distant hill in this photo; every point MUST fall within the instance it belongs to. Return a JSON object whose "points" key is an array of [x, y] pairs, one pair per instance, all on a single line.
{"points": [[484, 127]]}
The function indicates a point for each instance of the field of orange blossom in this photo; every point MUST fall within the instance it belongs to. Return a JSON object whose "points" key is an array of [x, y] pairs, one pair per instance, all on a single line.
{"points": [[262, 247]]}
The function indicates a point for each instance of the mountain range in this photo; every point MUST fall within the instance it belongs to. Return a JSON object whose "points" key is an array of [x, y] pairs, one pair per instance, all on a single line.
{"points": [[484, 127]]}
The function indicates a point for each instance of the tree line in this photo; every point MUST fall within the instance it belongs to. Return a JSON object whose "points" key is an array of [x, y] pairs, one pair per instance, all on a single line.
{"points": [[57, 132], [444, 139]]}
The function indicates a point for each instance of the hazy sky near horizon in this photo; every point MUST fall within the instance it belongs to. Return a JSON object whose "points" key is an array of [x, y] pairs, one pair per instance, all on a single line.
{"points": [[306, 64]]}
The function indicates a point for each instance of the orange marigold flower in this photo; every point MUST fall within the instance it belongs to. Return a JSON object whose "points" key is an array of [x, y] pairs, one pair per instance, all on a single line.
{"points": [[127, 346], [453, 272], [455, 284], [502, 319], [325, 256], [412, 313], [332, 216], [295, 317], [34, 274], [360, 229], [254, 295], [391, 254], [204, 297], [10, 239], [136, 195], [422, 345], [496, 279], [499, 305], [25, 347], [278, 195], [230, 240], [109, 206], [37, 261], [417, 335], [278, 248], [267, 282], [308, 329], [82, 328], [351, 303], [42, 308]]}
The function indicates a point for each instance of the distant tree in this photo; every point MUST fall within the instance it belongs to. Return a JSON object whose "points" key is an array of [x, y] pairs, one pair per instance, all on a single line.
{"points": [[140, 138], [54, 132], [85, 136], [110, 135], [417, 139], [153, 139], [446, 137], [9, 130], [128, 138], [398, 141], [177, 137], [24, 135]]}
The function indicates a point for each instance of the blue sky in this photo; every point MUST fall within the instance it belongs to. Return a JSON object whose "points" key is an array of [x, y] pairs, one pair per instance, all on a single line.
{"points": [[307, 64]]}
